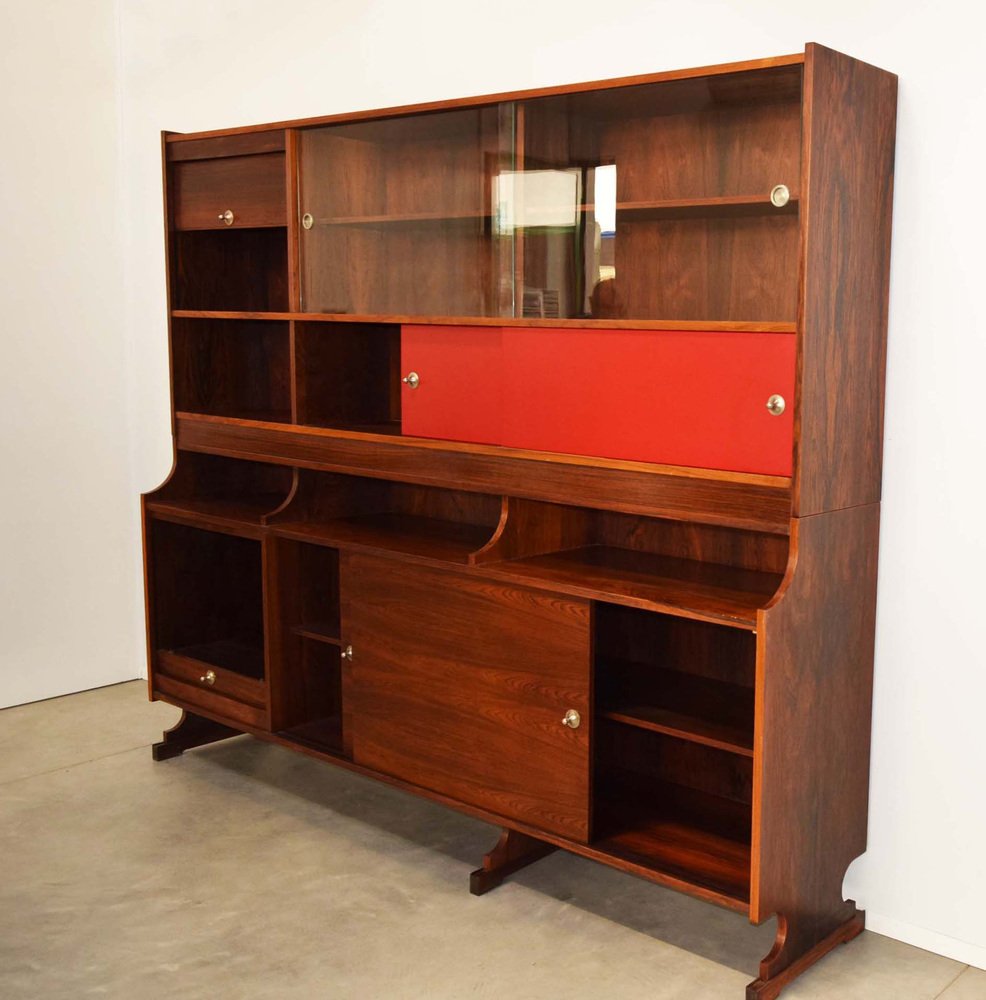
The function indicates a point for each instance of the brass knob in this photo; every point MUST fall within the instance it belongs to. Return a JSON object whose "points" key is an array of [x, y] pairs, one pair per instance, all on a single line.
{"points": [[412, 380], [776, 405], [307, 220], [779, 195], [209, 677], [347, 653], [572, 719], [226, 217]]}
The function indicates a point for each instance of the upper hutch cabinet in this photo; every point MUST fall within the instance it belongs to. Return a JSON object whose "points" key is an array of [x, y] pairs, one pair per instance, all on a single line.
{"points": [[672, 200]]}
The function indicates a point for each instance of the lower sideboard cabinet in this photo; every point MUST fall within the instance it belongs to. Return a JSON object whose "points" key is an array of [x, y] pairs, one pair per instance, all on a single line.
{"points": [[528, 459]]}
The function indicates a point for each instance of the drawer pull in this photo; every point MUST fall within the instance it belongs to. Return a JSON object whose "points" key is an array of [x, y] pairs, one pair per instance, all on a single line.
{"points": [[347, 653], [209, 677], [412, 380], [776, 405], [307, 220], [227, 217], [572, 719]]}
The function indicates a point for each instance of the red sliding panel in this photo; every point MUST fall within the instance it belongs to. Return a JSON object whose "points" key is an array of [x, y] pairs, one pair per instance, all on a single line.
{"points": [[675, 398], [669, 397], [459, 393]]}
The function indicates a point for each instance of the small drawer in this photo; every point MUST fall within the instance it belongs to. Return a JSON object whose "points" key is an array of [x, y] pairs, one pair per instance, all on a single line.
{"points": [[224, 692], [230, 192], [233, 712]]}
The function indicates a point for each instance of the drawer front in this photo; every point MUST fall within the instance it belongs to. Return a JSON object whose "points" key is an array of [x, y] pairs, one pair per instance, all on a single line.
{"points": [[459, 393], [253, 188], [209, 678], [194, 696], [673, 398], [460, 686]]}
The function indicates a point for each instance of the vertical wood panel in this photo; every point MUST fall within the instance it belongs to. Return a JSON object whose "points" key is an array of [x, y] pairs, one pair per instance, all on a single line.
{"points": [[847, 200]]}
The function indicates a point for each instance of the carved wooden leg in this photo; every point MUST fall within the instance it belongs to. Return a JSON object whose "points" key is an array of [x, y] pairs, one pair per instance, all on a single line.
{"points": [[795, 950], [513, 851], [190, 731]]}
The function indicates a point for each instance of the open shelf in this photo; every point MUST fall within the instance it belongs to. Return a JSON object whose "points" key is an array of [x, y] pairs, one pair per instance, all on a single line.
{"points": [[232, 269], [206, 599], [348, 376], [218, 492], [675, 807], [734, 738], [233, 368], [699, 838], [686, 587], [319, 632], [427, 522], [688, 679]]}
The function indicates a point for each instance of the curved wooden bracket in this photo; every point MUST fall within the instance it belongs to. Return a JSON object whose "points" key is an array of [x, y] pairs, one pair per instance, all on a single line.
{"points": [[794, 951], [190, 731], [513, 851]]}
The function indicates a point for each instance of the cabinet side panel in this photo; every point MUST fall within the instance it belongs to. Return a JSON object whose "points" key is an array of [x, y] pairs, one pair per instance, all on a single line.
{"points": [[812, 741], [849, 132]]}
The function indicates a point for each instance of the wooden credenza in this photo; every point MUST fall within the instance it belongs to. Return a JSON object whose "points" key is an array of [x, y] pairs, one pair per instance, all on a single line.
{"points": [[528, 458]]}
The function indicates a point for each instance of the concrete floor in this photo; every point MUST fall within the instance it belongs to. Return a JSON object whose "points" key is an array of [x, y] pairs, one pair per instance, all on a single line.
{"points": [[245, 871]]}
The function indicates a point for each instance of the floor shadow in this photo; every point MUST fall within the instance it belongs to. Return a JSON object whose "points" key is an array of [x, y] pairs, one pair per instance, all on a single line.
{"points": [[704, 929]]}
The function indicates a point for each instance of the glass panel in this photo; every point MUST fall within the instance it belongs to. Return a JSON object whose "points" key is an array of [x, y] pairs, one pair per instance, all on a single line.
{"points": [[672, 215], [401, 215], [647, 202]]}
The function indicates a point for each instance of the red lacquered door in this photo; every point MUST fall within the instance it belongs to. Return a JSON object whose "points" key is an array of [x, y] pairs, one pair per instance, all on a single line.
{"points": [[453, 381], [675, 398]]}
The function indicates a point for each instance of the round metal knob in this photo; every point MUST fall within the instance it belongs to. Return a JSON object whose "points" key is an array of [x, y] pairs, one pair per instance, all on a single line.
{"points": [[209, 677], [776, 405], [412, 380], [572, 719], [347, 653], [307, 220], [226, 217], [779, 195]]}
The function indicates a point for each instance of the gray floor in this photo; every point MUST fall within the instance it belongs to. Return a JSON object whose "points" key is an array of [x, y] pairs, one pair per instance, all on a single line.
{"points": [[245, 871]]}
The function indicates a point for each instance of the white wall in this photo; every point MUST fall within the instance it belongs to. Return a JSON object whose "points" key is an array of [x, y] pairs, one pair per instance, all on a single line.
{"points": [[69, 614], [191, 64]]}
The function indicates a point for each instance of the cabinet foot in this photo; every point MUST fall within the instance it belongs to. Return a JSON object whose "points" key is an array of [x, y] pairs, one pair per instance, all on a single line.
{"points": [[190, 731], [793, 953], [513, 851]]}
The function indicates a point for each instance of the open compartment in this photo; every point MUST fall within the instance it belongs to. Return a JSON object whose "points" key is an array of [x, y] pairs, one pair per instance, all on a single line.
{"points": [[306, 667], [688, 679], [207, 602], [676, 807], [236, 270], [223, 491], [356, 513], [698, 571], [232, 368], [348, 376]]}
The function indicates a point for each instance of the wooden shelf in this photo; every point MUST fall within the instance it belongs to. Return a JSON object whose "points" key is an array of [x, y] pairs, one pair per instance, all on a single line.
{"points": [[683, 587], [242, 512], [699, 838], [685, 727], [715, 326], [425, 537], [740, 206], [405, 218], [319, 632]]}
